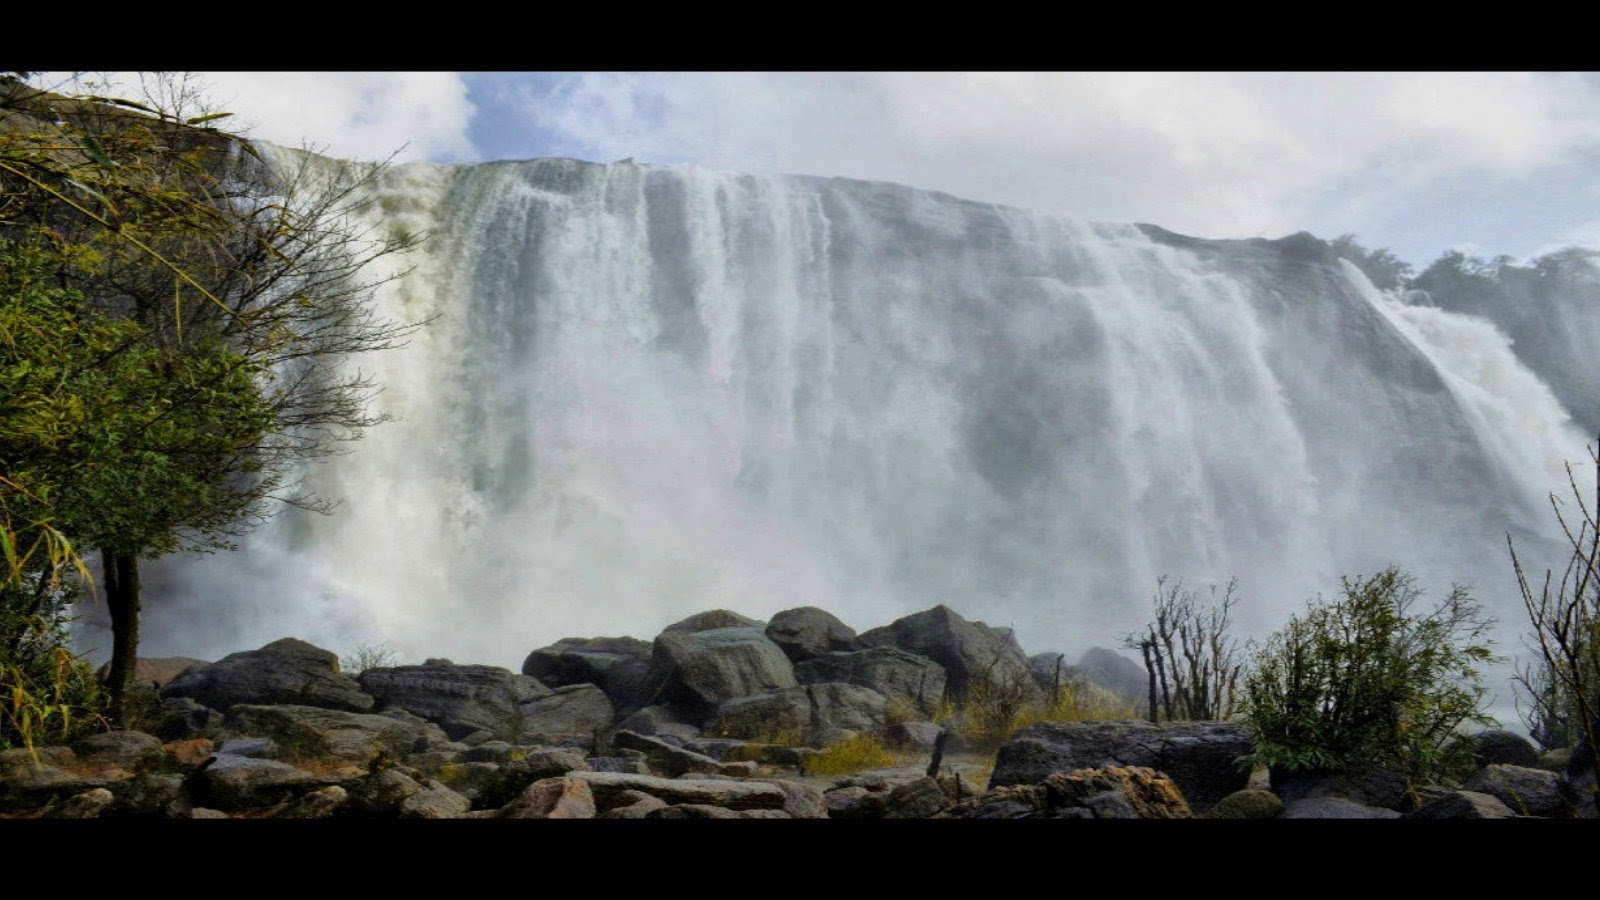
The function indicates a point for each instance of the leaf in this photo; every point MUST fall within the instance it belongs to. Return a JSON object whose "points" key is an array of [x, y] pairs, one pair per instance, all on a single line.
{"points": [[94, 152]]}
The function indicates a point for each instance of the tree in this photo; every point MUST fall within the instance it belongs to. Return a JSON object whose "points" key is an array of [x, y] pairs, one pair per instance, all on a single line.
{"points": [[1368, 680], [1192, 660], [1563, 683], [249, 284]]}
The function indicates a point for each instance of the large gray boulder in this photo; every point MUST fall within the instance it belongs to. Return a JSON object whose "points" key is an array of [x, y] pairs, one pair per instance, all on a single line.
{"points": [[913, 682], [620, 666], [1334, 808], [970, 652], [1528, 792], [460, 699], [124, 749], [1496, 746], [1464, 805], [311, 732], [242, 782], [610, 787], [572, 709], [1200, 757], [712, 619], [781, 716], [806, 632], [840, 711], [286, 671], [696, 671]]}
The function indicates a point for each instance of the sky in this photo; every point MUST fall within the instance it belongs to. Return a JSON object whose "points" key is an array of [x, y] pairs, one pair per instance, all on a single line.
{"points": [[1419, 162]]}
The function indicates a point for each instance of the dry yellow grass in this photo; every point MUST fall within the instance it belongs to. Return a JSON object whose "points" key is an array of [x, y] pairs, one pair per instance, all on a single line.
{"points": [[855, 754]]}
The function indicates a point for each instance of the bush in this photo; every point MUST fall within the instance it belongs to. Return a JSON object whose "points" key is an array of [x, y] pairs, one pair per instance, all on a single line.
{"points": [[1366, 681], [1192, 661], [47, 694]]}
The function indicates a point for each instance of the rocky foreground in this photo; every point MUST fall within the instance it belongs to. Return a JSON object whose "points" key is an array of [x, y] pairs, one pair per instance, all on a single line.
{"points": [[719, 717]]}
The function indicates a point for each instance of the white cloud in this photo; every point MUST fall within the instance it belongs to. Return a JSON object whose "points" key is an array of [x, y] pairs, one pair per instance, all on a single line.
{"points": [[1217, 154]]}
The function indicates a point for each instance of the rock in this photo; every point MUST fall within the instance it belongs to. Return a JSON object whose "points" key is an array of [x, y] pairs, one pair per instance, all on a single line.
{"points": [[806, 632], [308, 731], [921, 799], [201, 812], [1115, 672], [970, 652], [552, 798], [87, 805], [468, 778], [124, 749], [574, 709], [670, 760], [1374, 787], [1247, 804], [318, 804], [658, 721], [283, 672], [1117, 793], [696, 671], [710, 620], [1334, 808], [148, 795], [692, 811], [917, 736], [781, 716], [1464, 805], [240, 782], [1050, 668], [1021, 801], [618, 666], [737, 795], [913, 682], [181, 718], [1527, 792], [536, 765], [633, 805], [617, 764], [30, 785], [254, 747], [1496, 746], [771, 754], [804, 801], [1555, 760], [382, 792], [1579, 786], [488, 751], [460, 699], [18, 757], [1199, 756], [187, 755], [840, 711], [434, 801], [842, 800], [159, 671]]}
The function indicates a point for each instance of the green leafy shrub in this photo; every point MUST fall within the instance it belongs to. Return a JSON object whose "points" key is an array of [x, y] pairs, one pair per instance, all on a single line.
{"points": [[1369, 681]]}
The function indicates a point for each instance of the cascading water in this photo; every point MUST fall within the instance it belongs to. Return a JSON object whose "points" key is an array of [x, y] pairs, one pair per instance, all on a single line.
{"points": [[649, 391]]}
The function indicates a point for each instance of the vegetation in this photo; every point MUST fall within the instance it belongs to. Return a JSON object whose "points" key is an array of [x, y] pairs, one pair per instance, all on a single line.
{"points": [[854, 754], [1562, 685], [989, 713], [1369, 680], [204, 304], [370, 656], [1192, 660]]}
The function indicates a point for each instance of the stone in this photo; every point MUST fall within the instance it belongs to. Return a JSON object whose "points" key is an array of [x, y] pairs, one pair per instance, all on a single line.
{"points": [[913, 683], [382, 792], [148, 794], [692, 811], [30, 785], [467, 778], [1580, 786], [552, 798], [461, 700], [1464, 805], [970, 652], [1200, 757], [1498, 746], [535, 765], [771, 754], [840, 711], [187, 755], [841, 800], [318, 804], [308, 731], [921, 799], [1132, 792], [1020, 801], [806, 632], [711, 620], [87, 805], [916, 736], [434, 801], [669, 760], [658, 721], [18, 757], [1334, 808], [1247, 804], [181, 718], [805, 801], [781, 716], [581, 709], [1527, 792], [488, 751], [617, 764], [633, 805], [157, 672], [1373, 787], [730, 794], [241, 782], [716, 748], [618, 666], [254, 747], [696, 671], [201, 812], [287, 671], [125, 749]]}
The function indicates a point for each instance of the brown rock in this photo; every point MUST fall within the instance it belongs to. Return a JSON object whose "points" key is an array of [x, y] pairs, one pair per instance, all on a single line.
{"points": [[552, 798], [1119, 793], [185, 755]]}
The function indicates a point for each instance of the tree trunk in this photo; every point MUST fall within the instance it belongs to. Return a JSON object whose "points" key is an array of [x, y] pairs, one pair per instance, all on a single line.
{"points": [[122, 599]]}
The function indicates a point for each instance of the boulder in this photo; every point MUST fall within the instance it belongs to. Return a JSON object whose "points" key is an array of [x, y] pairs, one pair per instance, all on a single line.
{"points": [[729, 794], [633, 805], [30, 785], [382, 792], [1464, 805], [434, 801], [467, 778], [1251, 803], [124, 749], [240, 782], [619, 666], [710, 620], [552, 798], [970, 652], [87, 805], [181, 718], [660, 721], [696, 671], [781, 716], [671, 760], [257, 747], [916, 736], [840, 711], [807, 632], [186, 755], [532, 766], [1497, 746], [148, 795], [1201, 757], [921, 799], [805, 801], [618, 764], [912, 682], [1021, 801], [288, 671], [319, 804], [1115, 672], [1133, 792], [842, 801], [1334, 808], [572, 709], [1527, 792], [460, 699], [308, 731], [692, 811], [1373, 787]]}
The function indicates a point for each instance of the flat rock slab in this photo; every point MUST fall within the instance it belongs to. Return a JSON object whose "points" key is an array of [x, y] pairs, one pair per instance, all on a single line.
{"points": [[313, 732], [1201, 757], [608, 788], [242, 782], [460, 699]]}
